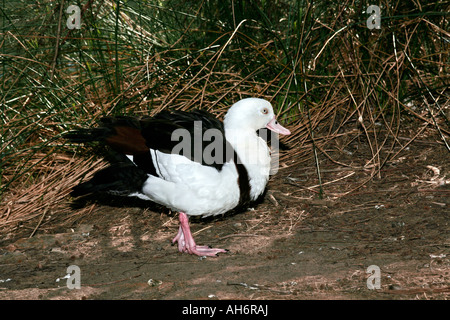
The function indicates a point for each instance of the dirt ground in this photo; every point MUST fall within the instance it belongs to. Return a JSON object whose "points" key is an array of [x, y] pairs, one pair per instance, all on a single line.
{"points": [[291, 246]]}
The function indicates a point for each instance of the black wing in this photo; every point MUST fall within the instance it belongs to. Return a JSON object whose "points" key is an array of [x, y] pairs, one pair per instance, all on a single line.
{"points": [[135, 136], [197, 135]]}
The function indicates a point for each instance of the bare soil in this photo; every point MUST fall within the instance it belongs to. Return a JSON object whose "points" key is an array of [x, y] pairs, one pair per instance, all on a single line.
{"points": [[293, 245]]}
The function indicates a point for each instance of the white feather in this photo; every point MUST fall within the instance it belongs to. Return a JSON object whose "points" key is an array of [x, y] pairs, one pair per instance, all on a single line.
{"points": [[190, 187]]}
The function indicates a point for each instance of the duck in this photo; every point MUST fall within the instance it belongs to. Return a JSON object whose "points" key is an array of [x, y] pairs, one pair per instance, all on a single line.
{"points": [[188, 161]]}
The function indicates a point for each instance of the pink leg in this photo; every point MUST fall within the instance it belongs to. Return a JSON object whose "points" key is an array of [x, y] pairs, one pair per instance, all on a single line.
{"points": [[186, 242]]}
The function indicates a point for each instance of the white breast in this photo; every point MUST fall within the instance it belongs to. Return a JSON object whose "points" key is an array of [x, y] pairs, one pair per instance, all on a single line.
{"points": [[254, 154], [190, 187]]}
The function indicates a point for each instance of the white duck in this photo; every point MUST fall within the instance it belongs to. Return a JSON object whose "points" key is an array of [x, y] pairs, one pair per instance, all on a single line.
{"points": [[187, 175]]}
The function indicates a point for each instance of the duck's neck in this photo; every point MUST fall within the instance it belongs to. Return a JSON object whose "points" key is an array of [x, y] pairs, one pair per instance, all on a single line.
{"points": [[254, 155]]}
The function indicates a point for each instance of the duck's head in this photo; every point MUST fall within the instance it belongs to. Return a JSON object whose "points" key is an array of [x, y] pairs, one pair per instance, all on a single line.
{"points": [[253, 114]]}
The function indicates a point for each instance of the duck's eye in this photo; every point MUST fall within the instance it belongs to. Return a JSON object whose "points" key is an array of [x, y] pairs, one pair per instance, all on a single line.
{"points": [[265, 111]]}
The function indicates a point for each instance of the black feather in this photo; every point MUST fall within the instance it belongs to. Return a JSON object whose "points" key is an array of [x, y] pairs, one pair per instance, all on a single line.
{"points": [[119, 178]]}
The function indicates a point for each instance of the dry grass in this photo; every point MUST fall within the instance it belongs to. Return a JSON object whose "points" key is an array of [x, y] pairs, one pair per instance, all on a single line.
{"points": [[45, 198]]}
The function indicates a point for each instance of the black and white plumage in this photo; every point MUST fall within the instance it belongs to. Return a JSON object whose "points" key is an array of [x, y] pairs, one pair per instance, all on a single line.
{"points": [[190, 180]]}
